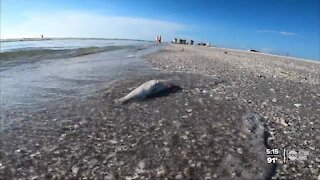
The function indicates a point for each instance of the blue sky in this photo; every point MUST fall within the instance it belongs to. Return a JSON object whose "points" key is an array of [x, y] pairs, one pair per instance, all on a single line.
{"points": [[277, 26]]}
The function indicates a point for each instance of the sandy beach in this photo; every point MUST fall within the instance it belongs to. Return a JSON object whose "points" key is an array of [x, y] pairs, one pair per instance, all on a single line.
{"points": [[232, 107], [285, 91]]}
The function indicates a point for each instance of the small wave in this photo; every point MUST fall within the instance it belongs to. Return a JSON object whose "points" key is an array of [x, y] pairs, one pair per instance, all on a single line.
{"points": [[54, 53]]}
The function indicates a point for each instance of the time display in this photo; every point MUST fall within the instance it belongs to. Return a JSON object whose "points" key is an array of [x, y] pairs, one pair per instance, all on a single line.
{"points": [[272, 151]]}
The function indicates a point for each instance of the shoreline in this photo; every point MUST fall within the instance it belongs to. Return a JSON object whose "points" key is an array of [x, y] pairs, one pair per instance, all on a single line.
{"points": [[84, 38], [195, 133]]}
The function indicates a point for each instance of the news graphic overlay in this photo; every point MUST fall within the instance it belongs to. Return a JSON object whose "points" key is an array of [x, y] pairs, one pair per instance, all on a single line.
{"points": [[274, 155]]}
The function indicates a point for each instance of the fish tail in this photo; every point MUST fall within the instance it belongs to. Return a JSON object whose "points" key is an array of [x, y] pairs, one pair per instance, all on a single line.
{"points": [[121, 101]]}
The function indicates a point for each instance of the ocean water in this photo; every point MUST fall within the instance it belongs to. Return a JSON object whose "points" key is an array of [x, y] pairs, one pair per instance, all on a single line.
{"points": [[58, 44], [11, 51], [35, 74]]}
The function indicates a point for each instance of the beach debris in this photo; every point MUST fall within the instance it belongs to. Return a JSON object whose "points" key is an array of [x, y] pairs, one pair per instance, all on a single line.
{"points": [[204, 91], [179, 176], [113, 141], [149, 89], [283, 122], [141, 167], [160, 171], [75, 170], [274, 100], [297, 105], [262, 76], [184, 137], [184, 117], [242, 135]]}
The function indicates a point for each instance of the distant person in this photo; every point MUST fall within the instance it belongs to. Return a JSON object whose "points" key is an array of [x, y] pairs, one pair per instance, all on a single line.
{"points": [[158, 39]]}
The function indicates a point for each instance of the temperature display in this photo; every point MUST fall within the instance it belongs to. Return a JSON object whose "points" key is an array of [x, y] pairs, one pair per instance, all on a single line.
{"points": [[272, 160]]}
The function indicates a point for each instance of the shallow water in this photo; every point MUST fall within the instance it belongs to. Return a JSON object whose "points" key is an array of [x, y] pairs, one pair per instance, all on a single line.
{"points": [[54, 81]]}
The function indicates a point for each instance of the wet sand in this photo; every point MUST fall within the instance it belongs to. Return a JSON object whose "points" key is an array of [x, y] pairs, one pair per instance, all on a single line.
{"points": [[232, 107]]}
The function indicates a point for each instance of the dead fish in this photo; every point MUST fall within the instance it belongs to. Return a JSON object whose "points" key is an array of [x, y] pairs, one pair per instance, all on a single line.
{"points": [[147, 89]]}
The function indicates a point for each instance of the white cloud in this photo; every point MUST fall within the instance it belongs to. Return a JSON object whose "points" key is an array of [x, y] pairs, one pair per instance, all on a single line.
{"points": [[285, 33], [288, 33], [87, 24]]}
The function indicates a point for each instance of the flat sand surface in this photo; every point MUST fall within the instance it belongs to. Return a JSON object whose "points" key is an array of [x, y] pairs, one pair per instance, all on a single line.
{"points": [[232, 107]]}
